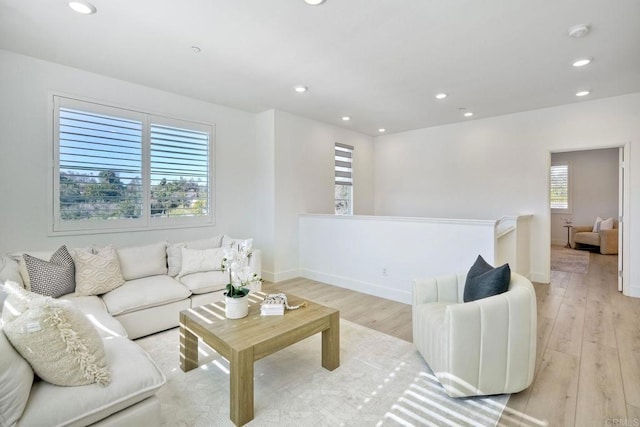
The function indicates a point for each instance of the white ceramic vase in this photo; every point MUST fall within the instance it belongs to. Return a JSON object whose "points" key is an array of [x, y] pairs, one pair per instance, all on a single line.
{"points": [[237, 308]]}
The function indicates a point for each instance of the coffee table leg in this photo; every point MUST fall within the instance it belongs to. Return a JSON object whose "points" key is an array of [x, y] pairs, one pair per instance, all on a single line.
{"points": [[188, 349], [241, 386], [331, 343]]}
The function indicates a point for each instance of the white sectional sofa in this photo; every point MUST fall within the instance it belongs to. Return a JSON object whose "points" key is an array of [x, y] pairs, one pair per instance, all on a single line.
{"points": [[155, 290]]}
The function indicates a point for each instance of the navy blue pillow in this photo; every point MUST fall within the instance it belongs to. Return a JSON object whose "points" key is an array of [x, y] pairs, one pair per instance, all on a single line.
{"points": [[485, 281]]}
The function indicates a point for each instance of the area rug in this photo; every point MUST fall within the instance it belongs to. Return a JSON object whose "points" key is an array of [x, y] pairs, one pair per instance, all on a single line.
{"points": [[569, 260], [381, 381]]}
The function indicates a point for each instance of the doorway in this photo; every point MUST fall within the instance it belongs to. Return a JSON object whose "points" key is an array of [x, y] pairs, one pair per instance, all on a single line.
{"points": [[595, 188]]}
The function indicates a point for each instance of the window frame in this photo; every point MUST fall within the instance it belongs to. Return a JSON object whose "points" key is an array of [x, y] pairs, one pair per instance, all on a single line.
{"points": [[566, 210], [145, 222]]}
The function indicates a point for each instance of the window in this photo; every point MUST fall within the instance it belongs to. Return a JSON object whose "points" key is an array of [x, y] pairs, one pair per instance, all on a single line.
{"points": [[116, 168], [343, 179], [559, 188]]}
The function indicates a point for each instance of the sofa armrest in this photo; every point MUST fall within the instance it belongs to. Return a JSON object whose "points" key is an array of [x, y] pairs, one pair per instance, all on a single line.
{"points": [[609, 241], [438, 289]]}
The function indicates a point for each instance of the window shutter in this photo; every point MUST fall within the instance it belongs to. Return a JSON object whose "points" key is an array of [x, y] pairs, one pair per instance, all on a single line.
{"points": [[559, 179], [343, 164], [100, 166], [179, 171]]}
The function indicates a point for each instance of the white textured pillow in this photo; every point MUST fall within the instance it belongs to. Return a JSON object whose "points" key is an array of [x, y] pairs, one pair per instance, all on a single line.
{"points": [[143, 261], [17, 301], [97, 273], [60, 344], [596, 225], [196, 261], [174, 258], [16, 377], [606, 224], [10, 270]]}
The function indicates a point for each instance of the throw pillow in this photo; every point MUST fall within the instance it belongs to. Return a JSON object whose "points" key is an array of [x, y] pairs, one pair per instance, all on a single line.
{"points": [[484, 281], [174, 258], [59, 343], [97, 273], [17, 301], [596, 225], [606, 224], [52, 278], [143, 261], [195, 261]]}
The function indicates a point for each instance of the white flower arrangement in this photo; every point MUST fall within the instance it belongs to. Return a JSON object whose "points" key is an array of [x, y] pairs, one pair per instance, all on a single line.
{"points": [[236, 261]]}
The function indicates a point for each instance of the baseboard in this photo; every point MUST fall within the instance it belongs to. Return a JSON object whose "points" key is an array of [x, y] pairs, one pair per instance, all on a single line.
{"points": [[280, 276], [539, 277], [358, 285]]}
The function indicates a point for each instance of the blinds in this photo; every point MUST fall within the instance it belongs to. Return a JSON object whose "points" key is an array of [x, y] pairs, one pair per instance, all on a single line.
{"points": [[343, 164], [559, 179], [100, 165], [179, 171]]}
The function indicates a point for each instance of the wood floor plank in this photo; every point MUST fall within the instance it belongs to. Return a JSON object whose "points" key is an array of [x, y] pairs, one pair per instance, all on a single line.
{"points": [[554, 393], [600, 392], [598, 327], [567, 332], [628, 340]]}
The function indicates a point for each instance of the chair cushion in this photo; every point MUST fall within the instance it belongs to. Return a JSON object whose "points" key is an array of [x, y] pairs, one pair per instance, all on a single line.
{"points": [[52, 278], [134, 377], [16, 377], [587, 238], [143, 293], [483, 280]]}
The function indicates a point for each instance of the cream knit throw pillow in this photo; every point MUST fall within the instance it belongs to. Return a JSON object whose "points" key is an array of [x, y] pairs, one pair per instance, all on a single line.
{"points": [[97, 273], [59, 343]]}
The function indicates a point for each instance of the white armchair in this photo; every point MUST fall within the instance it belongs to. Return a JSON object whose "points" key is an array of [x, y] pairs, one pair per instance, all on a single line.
{"points": [[483, 347]]}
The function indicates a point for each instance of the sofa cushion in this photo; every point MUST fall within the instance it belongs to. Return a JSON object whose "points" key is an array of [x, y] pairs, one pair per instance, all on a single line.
{"points": [[209, 281], [53, 278], [145, 292], [16, 377], [97, 273], [587, 238], [95, 310], [59, 343], [134, 377], [17, 301], [484, 281], [197, 261], [174, 251], [143, 261]]}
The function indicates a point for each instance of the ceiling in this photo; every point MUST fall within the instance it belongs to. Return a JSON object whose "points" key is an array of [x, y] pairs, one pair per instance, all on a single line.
{"points": [[378, 61]]}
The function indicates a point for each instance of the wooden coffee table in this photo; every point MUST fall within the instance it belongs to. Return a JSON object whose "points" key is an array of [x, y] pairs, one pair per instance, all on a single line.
{"points": [[243, 341]]}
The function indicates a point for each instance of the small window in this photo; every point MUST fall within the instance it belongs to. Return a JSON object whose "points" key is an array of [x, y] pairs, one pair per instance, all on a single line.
{"points": [[121, 169], [559, 188], [343, 179]]}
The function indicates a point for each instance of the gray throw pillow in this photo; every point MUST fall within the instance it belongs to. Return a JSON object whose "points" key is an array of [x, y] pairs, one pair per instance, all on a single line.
{"points": [[485, 281], [52, 278]]}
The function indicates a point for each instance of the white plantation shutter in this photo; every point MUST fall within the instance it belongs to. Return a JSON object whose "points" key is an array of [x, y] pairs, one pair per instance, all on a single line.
{"points": [[559, 188], [180, 156]]}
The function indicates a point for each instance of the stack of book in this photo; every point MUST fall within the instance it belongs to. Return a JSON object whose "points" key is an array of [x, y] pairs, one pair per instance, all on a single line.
{"points": [[273, 305]]}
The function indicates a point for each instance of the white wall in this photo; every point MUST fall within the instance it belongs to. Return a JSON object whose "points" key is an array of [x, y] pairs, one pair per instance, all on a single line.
{"points": [[491, 167], [304, 181], [383, 255], [26, 146], [593, 176]]}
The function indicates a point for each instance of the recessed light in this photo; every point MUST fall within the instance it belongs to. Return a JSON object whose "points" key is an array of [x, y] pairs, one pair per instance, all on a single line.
{"points": [[583, 93], [441, 96], [382, 130], [301, 89], [579, 30], [314, 2], [582, 62], [83, 7], [346, 118], [468, 114], [196, 49]]}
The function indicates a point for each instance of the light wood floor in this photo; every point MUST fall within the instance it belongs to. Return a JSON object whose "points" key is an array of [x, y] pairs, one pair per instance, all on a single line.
{"points": [[588, 358]]}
